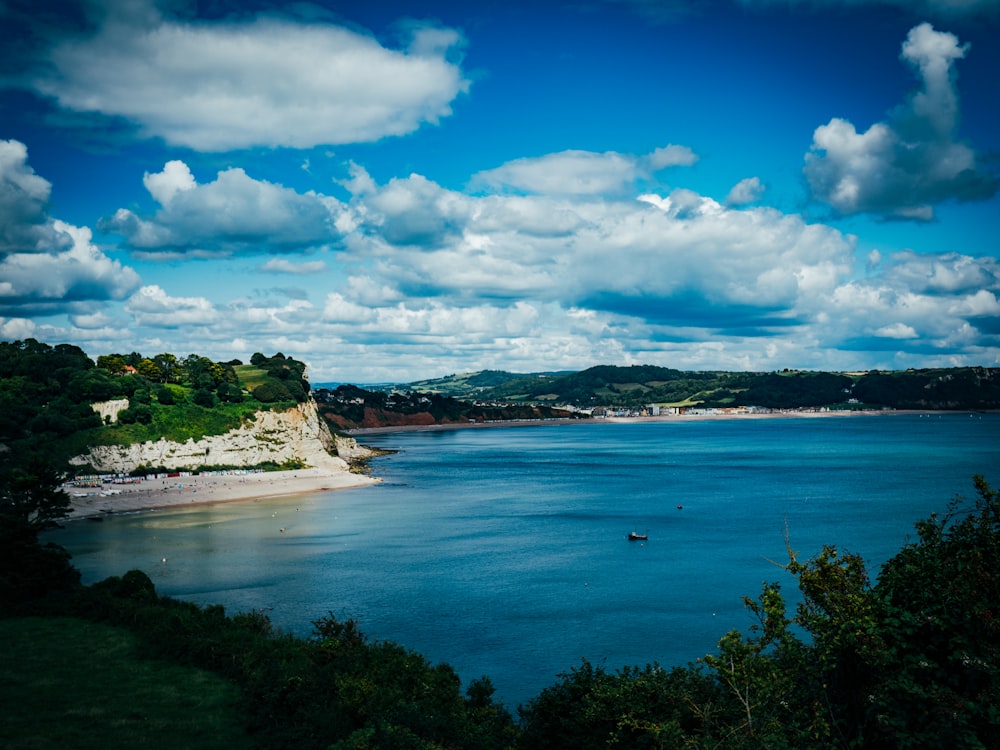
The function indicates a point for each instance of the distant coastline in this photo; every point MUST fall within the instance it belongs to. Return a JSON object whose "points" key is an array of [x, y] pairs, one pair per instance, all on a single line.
{"points": [[206, 489], [790, 413]]}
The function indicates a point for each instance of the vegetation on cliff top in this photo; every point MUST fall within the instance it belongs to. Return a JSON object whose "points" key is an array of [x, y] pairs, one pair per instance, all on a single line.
{"points": [[46, 393]]}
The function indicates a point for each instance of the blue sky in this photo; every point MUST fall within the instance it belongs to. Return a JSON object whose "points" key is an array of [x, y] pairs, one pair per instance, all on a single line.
{"points": [[392, 191]]}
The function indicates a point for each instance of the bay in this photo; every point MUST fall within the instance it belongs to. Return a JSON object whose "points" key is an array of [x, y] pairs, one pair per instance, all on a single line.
{"points": [[503, 551]]}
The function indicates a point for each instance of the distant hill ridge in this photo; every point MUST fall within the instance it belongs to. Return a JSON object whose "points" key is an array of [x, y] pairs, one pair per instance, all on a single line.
{"points": [[955, 388]]}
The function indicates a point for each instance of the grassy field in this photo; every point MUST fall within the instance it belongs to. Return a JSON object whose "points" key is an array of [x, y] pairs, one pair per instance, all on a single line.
{"points": [[250, 376], [68, 683]]}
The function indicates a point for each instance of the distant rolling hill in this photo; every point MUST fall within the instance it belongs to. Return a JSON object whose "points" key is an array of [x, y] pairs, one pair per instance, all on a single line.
{"points": [[465, 386], [609, 385]]}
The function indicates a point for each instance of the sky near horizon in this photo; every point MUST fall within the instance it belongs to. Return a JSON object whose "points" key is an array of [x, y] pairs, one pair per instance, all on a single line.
{"points": [[392, 191]]}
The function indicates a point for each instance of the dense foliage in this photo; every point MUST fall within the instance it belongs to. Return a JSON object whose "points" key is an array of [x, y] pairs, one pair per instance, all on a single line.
{"points": [[640, 385], [46, 394], [349, 406], [335, 689], [45, 390], [286, 379]]}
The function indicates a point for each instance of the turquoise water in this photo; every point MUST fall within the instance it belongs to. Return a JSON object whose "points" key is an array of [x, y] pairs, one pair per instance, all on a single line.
{"points": [[503, 551]]}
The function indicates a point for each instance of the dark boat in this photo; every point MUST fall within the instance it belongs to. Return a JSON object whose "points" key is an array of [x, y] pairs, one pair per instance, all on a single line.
{"points": [[635, 537]]}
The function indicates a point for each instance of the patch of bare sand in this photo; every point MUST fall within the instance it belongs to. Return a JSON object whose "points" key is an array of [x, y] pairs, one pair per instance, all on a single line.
{"points": [[169, 492]]}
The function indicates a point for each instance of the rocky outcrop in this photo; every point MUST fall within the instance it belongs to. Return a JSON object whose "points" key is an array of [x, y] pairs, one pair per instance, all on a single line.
{"points": [[298, 433], [108, 410], [349, 449]]}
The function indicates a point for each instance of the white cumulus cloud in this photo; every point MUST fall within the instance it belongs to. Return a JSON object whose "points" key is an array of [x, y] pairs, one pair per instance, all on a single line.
{"points": [[745, 191], [283, 265], [25, 224], [905, 166], [577, 172], [48, 266], [233, 214], [59, 281], [269, 81], [152, 306]]}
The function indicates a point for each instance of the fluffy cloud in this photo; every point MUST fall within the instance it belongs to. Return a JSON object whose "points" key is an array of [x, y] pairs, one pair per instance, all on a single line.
{"points": [[903, 167], [414, 211], [54, 282], [233, 214], [944, 274], [553, 281], [152, 306], [581, 172], [263, 82], [745, 191], [918, 305], [282, 265], [46, 265], [676, 278], [25, 225], [662, 257]]}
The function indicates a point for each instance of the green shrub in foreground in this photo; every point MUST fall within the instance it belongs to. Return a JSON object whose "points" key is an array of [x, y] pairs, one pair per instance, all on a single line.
{"points": [[336, 687], [69, 683]]}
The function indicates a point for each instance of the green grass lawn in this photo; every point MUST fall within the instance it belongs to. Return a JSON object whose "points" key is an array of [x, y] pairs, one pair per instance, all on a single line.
{"points": [[250, 376], [69, 683]]}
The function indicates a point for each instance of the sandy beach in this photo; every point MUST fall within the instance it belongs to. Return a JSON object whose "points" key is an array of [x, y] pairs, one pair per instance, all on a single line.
{"points": [[151, 494]]}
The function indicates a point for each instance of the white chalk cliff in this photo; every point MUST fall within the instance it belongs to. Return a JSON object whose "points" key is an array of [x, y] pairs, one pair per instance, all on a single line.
{"points": [[299, 433]]}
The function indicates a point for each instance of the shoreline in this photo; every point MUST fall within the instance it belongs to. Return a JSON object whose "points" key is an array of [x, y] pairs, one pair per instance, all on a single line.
{"points": [[842, 413], [205, 489], [208, 489]]}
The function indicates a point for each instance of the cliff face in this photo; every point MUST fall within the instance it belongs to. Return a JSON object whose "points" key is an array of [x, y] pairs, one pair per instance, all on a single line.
{"points": [[273, 436], [108, 410]]}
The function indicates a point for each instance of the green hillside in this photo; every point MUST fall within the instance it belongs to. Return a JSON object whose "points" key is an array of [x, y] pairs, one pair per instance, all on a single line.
{"points": [[639, 385], [467, 385]]}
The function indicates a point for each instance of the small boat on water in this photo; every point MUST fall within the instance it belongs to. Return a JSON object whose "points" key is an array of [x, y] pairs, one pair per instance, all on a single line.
{"points": [[637, 537]]}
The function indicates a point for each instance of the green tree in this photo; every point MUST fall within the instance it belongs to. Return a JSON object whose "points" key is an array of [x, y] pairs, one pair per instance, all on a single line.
{"points": [[203, 397], [141, 396], [150, 370], [941, 631], [201, 372], [136, 414], [113, 363], [31, 497], [92, 385], [31, 501], [229, 393], [269, 392], [169, 366]]}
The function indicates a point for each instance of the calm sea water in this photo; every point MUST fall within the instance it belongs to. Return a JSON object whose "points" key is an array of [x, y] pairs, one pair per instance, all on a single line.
{"points": [[503, 552]]}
